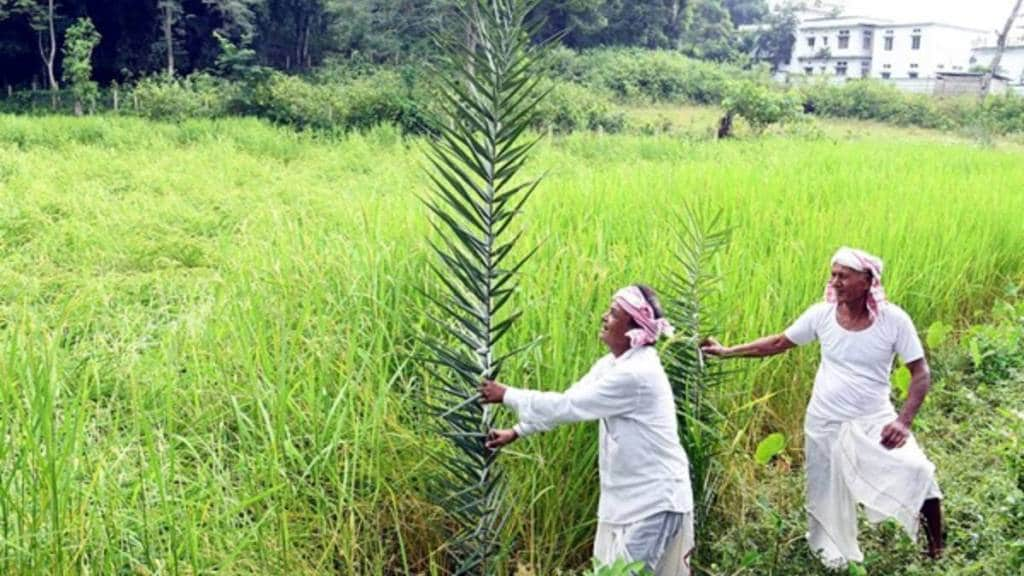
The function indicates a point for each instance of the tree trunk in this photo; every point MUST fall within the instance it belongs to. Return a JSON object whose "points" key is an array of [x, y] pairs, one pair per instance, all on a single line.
{"points": [[725, 126], [169, 38], [51, 56], [78, 107], [116, 107], [986, 81], [675, 23]]}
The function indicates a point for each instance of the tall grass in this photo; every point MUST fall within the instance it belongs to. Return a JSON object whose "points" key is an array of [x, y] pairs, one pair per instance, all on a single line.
{"points": [[205, 328]]}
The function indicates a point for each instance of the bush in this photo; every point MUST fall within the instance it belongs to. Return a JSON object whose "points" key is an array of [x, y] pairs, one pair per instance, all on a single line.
{"points": [[647, 75], [196, 96], [291, 100], [759, 105], [359, 104], [570, 107], [873, 100]]}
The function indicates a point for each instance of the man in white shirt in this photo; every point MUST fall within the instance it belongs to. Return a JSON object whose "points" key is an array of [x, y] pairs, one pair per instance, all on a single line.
{"points": [[645, 512], [858, 449]]}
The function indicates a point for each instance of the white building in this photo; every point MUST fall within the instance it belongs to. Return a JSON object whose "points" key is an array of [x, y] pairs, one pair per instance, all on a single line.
{"points": [[860, 47], [1012, 63]]}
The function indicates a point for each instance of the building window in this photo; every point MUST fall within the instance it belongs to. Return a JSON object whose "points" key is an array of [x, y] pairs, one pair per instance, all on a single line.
{"points": [[844, 39], [865, 69], [887, 66], [824, 40], [912, 75], [915, 41], [810, 41], [867, 39], [941, 66], [888, 43], [809, 70], [913, 65], [886, 75], [840, 68]]}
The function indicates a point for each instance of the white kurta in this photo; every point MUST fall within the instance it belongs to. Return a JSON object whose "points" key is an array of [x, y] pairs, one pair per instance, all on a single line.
{"points": [[643, 467], [845, 461]]}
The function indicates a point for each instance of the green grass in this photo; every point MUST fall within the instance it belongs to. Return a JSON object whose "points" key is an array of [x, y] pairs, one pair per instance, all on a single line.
{"points": [[207, 329]]}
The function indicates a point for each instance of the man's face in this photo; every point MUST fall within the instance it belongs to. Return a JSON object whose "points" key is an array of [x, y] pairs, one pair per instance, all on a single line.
{"points": [[614, 325], [849, 284]]}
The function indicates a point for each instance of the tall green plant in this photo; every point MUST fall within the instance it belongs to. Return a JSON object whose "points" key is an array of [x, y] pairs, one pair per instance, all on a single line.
{"points": [[489, 93], [79, 44], [692, 287]]}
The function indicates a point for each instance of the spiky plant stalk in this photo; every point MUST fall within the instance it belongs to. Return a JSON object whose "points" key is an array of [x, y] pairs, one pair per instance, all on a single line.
{"points": [[489, 93], [692, 287]]}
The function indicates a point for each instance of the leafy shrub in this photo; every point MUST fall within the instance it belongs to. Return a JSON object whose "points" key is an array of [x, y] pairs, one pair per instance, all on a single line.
{"points": [[997, 350], [759, 105], [647, 75], [361, 103], [873, 100], [196, 96], [570, 107]]}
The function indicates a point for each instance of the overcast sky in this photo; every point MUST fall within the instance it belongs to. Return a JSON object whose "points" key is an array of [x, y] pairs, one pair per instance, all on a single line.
{"points": [[986, 14]]}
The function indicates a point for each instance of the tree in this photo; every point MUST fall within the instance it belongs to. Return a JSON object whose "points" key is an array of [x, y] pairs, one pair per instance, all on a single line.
{"points": [[710, 34], [986, 81], [581, 21], [170, 12], [746, 11], [774, 42], [43, 21], [79, 42], [489, 95]]}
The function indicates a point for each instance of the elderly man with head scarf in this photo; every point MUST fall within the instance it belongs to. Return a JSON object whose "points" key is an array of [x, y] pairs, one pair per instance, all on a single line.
{"points": [[858, 449], [645, 513]]}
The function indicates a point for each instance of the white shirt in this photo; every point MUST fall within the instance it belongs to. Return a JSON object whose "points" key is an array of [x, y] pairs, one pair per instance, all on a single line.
{"points": [[643, 467], [853, 378]]}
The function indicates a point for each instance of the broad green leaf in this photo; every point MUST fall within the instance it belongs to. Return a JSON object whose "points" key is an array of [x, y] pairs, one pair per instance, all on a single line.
{"points": [[901, 382], [770, 447], [937, 334]]}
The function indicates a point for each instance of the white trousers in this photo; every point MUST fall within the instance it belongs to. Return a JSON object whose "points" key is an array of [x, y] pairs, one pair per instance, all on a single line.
{"points": [[662, 541], [847, 465]]}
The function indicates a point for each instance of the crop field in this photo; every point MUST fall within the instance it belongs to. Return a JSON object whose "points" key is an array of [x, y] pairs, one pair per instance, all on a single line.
{"points": [[208, 334]]}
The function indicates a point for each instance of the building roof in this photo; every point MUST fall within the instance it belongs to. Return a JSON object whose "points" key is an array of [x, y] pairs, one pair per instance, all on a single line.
{"points": [[1009, 48], [818, 23], [933, 23], [968, 75]]}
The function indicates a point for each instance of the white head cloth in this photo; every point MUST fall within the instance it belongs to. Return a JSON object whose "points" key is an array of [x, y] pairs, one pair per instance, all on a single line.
{"points": [[861, 261], [633, 302]]}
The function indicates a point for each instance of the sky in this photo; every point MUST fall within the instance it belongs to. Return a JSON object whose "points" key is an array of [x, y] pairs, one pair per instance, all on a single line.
{"points": [[985, 14]]}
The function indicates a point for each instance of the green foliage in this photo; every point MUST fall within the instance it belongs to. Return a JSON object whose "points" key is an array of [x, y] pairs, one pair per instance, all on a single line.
{"points": [[237, 61], [770, 447], [693, 291], [900, 381], [195, 96], [937, 335], [570, 107], [79, 42], [710, 34], [997, 349], [230, 306], [760, 105], [874, 100], [489, 89], [618, 568], [648, 76]]}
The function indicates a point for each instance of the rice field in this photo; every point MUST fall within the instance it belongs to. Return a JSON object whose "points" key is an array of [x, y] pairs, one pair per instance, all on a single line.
{"points": [[207, 330]]}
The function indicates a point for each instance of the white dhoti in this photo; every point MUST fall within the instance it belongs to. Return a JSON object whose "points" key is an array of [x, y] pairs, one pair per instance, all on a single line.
{"points": [[847, 465], [663, 542]]}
